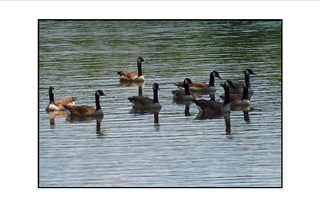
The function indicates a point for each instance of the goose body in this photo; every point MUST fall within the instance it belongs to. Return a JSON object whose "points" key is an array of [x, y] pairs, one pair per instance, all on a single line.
{"points": [[57, 104], [128, 76], [185, 94], [239, 86], [210, 107], [200, 86], [141, 103], [83, 110]]}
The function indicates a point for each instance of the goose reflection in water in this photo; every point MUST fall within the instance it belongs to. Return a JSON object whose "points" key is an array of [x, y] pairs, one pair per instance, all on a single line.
{"points": [[54, 114], [87, 119]]}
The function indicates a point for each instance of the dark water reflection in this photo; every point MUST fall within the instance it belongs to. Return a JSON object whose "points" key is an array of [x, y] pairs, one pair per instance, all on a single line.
{"points": [[173, 147]]}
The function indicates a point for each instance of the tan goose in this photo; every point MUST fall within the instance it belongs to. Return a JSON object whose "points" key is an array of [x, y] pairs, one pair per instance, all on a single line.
{"points": [[202, 87], [57, 104], [144, 103], [78, 111], [183, 95], [127, 76], [239, 86], [213, 107]]}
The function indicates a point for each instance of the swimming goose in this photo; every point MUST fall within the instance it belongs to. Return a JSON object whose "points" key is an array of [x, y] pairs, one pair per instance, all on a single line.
{"points": [[76, 111], [202, 87], [56, 104], [183, 94], [133, 76], [144, 103], [212, 107], [240, 100], [239, 86]]}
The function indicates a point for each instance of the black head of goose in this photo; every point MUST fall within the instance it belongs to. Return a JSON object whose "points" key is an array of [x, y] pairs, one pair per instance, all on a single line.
{"points": [[128, 76], [239, 86], [83, 110], [57, 104], [183, 94], [214, 107], [144, 103]]}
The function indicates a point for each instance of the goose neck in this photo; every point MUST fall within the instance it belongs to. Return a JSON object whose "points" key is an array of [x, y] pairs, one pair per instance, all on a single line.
{"points": [[186, 89], [245, 92], [51, 97], [98, 107], [139, 68], [227, 96], [211, 82], [155, 96]]}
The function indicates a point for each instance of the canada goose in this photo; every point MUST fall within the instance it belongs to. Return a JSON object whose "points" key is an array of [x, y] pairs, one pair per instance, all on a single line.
{"points": [[240, 100], [183, 94], [133, 76], [144, 103], [57, 104], [239, 86], [202, 87], [213, 107], [87, 110]]}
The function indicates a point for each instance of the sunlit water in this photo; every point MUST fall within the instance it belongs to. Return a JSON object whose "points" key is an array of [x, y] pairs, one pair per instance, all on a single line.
{"points": [[127, 149]]}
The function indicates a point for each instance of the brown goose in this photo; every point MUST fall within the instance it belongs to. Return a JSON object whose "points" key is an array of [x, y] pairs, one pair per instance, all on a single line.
{"points": [[57, 104], [240, 100], [76, 111], [127, 76], [202, 87], [239, 86], [183, 95], [144, 103], [213, 107]]}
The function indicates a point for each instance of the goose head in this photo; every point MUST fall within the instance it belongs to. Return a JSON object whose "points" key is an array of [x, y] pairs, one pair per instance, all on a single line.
{"points": [[187, 81], [100, 93], [156, 86], [249, 72], [51, 90], [215, 74], [141, 59], [228, 84]]}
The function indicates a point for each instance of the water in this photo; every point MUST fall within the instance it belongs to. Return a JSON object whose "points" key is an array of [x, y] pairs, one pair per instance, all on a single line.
{"points": [[127, 149]]}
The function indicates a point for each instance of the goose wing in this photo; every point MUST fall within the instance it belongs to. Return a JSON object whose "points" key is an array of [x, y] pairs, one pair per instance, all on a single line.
{"points": [[127, 75], [65, 101]]}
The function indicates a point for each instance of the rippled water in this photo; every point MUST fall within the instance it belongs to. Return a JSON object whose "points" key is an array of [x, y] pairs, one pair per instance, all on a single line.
{"points": [[127, 149]]}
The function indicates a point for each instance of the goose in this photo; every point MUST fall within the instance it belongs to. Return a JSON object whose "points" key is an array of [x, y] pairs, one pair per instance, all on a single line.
{"points": [[239, 86], [212, 107], [183, 94], [79, 111], [128, 76], [202, 87], [240, 100], [144, 103], [57, 104]]}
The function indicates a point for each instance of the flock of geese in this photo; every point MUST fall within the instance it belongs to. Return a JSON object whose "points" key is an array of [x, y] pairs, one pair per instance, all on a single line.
{"points": [[235, 95]]}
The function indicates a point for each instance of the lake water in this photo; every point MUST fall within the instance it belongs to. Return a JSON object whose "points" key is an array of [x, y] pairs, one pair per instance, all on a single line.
{"points": [[127, 149]]}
